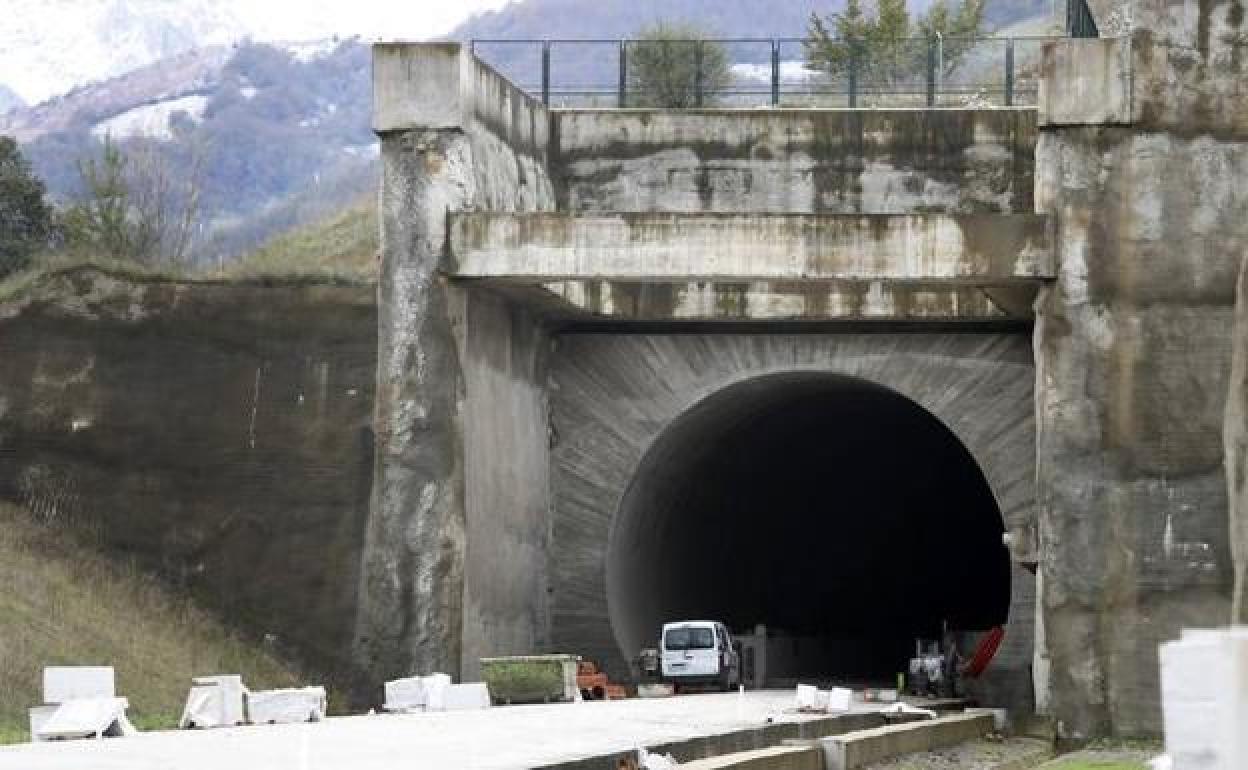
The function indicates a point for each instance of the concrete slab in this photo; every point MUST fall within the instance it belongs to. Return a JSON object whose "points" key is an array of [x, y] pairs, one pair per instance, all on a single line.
{"points": [[504, 737]]}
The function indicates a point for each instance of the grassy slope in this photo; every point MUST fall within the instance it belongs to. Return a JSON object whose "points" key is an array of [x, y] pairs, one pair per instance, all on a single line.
{"points": [[62, 604], [343, 247]]}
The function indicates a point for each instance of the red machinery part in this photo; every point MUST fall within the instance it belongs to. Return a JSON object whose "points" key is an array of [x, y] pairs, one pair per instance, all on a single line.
{"points": [[985, 651]]}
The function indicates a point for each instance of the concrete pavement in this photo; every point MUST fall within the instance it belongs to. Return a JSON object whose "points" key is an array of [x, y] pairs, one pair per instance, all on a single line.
{"points": [[501, 737]]}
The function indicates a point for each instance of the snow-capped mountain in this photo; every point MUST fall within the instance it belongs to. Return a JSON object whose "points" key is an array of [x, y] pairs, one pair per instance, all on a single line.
{"points": [[49, 47], [9, 99]]}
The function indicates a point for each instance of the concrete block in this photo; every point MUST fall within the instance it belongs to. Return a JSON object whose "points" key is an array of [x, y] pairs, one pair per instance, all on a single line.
{"points": [[466, 697], [1204, 691], [303, 704], [39, 715], [856, 749], [406, 694], [420, 85], [775, 758], [83, 718], [652, 690], [1085, 82], [65, 683], [214, 701], [839, 699]]}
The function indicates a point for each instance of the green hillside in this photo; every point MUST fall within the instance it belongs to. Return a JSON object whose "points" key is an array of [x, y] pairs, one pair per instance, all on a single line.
{"points": [[342, 247], [61, 604]]}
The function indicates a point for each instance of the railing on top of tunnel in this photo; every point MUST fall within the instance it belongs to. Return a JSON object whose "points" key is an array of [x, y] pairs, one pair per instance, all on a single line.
{"points": [[755, 72]]}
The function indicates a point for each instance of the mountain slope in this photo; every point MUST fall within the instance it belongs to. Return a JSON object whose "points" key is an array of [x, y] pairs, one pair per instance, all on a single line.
{"points": [[61, 604]]}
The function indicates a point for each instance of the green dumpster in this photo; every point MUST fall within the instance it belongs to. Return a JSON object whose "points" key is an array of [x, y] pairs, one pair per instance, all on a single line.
{"points": [[531, 678]]}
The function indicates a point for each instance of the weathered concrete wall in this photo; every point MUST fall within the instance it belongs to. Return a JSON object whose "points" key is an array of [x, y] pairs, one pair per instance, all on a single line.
{"points": [[1133, 354], [612, 396], [1235, 438], [795, 161], [218, 434], [506, 467], [455, 137]]}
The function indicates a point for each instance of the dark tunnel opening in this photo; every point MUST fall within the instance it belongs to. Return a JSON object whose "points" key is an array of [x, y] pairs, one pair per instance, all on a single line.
{"points": [[840, 514]]}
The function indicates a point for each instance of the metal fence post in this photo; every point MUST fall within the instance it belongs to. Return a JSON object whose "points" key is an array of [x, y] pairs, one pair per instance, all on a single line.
{"points": [[853, 73], [546, 72], [697, 77], [1009, 72], [931, 73], [775, 74], [622, 94]]}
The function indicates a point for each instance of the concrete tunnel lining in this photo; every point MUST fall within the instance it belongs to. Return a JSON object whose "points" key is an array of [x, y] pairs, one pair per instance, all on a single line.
{"points": [[827, 507]]}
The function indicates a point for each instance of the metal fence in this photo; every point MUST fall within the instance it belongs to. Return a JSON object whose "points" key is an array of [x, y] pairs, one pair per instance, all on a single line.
{"points": [[749, 72]]}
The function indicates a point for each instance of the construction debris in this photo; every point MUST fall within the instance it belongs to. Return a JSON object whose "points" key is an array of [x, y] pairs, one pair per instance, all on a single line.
{"points": [[594, 684], [812, 699]]}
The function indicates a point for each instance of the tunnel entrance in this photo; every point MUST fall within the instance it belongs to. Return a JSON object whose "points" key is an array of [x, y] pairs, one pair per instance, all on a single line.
{"points": [[839, 514]]}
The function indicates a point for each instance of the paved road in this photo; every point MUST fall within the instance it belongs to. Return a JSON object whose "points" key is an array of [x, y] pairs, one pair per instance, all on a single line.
{"points": [[501, 737]]}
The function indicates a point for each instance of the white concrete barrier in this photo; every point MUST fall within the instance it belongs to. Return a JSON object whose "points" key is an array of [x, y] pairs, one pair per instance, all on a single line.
{"points": [[81, 718], [214, 701], [303, 704], [466, 697], [1204, 692]]}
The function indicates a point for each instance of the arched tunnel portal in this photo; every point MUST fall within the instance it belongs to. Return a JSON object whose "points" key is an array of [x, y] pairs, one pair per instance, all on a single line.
{"points": [[848, 491], [838, 513]]}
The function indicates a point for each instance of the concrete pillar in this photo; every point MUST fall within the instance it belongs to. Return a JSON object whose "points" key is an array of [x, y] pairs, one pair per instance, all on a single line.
{"points": [[1139, 163], [411, 592], [452, 369]]}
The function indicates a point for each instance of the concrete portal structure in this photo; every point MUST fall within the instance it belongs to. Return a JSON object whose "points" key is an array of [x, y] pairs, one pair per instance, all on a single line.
{"points": [[814, 369]]}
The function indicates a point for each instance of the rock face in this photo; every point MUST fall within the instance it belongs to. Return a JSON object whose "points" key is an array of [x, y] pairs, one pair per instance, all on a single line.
{"points": [[218, 434], [1133, 352]]}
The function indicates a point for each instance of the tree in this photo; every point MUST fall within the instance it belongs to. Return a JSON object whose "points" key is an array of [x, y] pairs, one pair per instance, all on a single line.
{"points": [[676, 66], [886, 44], [25, 218], [134, 206]]}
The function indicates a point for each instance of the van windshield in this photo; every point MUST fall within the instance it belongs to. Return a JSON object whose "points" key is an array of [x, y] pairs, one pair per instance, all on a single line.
{"points": [[689, 639]]}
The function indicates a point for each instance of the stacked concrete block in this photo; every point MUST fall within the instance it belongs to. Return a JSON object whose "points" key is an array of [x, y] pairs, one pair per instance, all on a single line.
{"points": [[416, 693], [79, 702]]}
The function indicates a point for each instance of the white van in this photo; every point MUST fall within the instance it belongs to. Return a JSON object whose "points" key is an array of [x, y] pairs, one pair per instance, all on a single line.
{"points": [[699, 652]]}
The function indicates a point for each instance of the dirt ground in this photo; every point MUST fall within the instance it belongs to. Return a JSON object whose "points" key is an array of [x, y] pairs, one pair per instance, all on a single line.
{"points": [[984, 754], [1104, 759]]}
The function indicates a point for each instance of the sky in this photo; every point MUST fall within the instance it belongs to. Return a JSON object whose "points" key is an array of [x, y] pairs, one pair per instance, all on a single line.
{"points": [[372, 19]]}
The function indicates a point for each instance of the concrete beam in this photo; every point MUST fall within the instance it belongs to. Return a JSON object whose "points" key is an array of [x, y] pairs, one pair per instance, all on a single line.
{"points": [[858, 749], [1085, 82], [775, 758], [587, 301], [974, 249]]}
